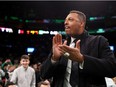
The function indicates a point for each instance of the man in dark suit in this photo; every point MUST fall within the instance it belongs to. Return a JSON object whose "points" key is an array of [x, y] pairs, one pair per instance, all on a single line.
{"points": [[84, 64]]}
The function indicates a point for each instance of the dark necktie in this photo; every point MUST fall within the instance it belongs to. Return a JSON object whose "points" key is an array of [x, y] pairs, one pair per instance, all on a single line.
{"points": [[68, 70], [74, 77]]}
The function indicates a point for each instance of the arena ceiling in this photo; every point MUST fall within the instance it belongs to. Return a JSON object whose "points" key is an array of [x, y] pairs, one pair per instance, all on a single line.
{"points": [[55, 9]]}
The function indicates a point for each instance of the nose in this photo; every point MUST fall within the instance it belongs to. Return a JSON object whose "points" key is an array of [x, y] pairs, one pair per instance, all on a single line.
{"points": [[66, 22]]}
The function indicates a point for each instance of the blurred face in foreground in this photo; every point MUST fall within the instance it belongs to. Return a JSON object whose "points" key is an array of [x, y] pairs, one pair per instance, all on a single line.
{"points": [[44, 86], [46, 83], [12, 86]]}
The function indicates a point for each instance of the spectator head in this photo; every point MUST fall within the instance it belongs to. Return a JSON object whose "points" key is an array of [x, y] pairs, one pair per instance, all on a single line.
{"points": [[25, 61]]}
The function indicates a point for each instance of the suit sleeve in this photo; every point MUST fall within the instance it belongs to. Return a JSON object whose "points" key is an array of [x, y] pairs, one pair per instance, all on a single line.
{"points": [[48, 68], [104, 64]]}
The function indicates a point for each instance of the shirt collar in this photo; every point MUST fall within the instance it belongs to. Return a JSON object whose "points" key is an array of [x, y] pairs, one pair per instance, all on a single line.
{"points": [[24, 68], [72, 39]]}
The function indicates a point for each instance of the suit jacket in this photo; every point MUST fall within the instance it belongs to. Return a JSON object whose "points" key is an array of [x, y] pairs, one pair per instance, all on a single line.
{"points": [[99, 62]]}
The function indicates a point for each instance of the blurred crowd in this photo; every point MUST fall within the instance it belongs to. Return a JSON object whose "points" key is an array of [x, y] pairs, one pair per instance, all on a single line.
{"points": [[7, 68]]}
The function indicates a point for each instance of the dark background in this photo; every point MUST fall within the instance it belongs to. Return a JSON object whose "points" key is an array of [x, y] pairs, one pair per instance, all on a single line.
{"points": [[14, 45]]}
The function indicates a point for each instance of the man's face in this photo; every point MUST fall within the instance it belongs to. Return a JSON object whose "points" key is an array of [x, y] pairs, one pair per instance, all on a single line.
{"points": [[73, 24], [25, 62]]}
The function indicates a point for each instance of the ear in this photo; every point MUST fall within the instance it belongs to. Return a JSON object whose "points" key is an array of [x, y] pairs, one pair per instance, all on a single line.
{"points": [[20, 61], [82, 24]]}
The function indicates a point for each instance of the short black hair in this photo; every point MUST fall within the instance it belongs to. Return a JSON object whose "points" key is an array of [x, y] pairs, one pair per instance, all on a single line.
{"points": [[25, 56], [82, 16]]}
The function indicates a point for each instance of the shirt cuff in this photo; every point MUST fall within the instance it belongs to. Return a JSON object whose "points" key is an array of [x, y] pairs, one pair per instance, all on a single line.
{"points": [[53, 61]]}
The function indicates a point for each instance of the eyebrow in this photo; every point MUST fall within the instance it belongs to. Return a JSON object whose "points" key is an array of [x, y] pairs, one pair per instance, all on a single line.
{"points": [[72, 18]]}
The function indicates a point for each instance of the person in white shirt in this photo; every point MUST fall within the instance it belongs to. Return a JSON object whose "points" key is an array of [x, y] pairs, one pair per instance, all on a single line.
{"points": [[24, 76]]}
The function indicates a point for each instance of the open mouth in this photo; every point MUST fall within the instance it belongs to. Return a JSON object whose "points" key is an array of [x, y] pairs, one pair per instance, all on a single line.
{"points": [[67, 27]]}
